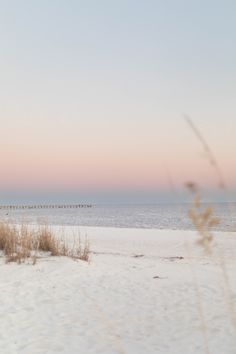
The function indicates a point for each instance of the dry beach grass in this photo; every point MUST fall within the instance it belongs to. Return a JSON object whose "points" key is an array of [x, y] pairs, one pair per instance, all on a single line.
{"points": [[21, 243], [204, 221]]}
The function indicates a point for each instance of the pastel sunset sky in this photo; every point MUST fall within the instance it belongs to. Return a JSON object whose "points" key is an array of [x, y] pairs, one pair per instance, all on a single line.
{"points": [[93, 96]]}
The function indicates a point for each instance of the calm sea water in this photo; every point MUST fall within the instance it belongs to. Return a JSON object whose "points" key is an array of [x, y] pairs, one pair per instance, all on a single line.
{"points": [[158, 216]]}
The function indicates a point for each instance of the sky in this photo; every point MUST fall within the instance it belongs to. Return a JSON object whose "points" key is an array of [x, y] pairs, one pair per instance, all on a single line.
{"points": [[93, 96]]}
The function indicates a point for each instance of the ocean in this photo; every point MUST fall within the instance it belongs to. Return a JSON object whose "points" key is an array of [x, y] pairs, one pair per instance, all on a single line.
{"points": [[153, 216]]}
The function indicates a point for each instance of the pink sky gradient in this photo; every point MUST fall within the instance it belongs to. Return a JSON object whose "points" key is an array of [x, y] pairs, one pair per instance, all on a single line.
{"points": [[92, 97], [139, 164]]}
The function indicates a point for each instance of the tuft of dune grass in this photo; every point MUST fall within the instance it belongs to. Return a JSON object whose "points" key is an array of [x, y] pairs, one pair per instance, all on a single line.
{"points": [[46, 241], [18, 244]]}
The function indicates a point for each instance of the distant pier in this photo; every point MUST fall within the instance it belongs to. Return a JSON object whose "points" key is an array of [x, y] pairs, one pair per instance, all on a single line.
{"points": [[45, 206]]}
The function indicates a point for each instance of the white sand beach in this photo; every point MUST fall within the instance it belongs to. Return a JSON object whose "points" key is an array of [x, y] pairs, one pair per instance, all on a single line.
{"points": [[140, 293]]}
